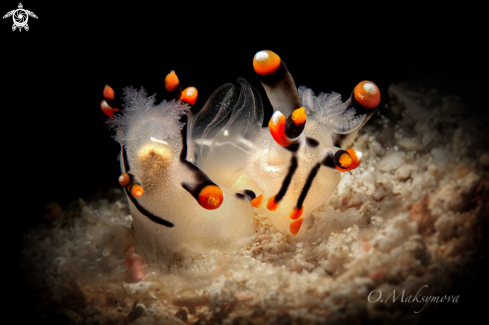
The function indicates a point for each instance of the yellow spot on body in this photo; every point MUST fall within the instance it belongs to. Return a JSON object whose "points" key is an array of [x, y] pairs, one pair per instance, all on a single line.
{"points": [[155, 154], [153, 160]]}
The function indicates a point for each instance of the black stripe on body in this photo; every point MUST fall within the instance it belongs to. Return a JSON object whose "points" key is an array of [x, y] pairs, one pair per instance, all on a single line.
{"points": [[312, 142], [125, 160], [200, 178], [294, 146], [307, 185], [139, 207], [146, 213], [247, 194], [183, 153], [328, 161], [287, 179]]}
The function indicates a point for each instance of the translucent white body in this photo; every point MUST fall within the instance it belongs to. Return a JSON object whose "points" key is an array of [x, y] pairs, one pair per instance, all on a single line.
{"points": [[269, 165], [226, 141]]}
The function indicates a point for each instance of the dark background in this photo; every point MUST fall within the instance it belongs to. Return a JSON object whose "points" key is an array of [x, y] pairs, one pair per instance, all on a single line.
{"points": [[57, 148]]}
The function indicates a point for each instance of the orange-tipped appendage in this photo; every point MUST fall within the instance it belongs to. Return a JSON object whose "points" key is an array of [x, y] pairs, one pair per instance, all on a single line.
{"points": [[272, 205], [299, 116], [109, 111], [211, 197], [296, 213], [295, 226], [137, 190], [108, 92], [345, 160], [367, 94], [266, 62], [189, 95], [171, 82], [356, 159], [276, 127], [124, 179], [256, 202]]}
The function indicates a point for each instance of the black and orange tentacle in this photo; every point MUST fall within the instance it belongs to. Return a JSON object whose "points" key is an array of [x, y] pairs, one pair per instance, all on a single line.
{"points": [[205, 191], [277, 81], [365, 98], [273, 201]]}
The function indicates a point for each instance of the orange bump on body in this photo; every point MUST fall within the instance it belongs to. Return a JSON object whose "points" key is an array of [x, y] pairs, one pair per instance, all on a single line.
{"points": [[356, 159], [124, 179], [137, 190], [266, 62], [296, 213], [108, 92], [276, 127], [171, 82], [367, 94], [256, 202], [109, 111], [211, 197], [189, 95], [299, 116], [345, 160], [295, 226], [272, 205]]}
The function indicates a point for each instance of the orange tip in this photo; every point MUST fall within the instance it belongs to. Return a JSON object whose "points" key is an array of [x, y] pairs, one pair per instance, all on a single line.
{"points": [[272, 205], [345, 160], [211, 197], [124, 179], [276, 127], [171, 82], [256, 202], [295, 226], [137, 190], [108, 92], [266, 62], [356, 159], [189, 95], [367, 94], [299, 116], [296, 213], [109, 111]]}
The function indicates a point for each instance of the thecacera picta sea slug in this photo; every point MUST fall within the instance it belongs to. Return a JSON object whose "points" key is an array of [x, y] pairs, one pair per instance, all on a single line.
{"points": [[195, 182]]}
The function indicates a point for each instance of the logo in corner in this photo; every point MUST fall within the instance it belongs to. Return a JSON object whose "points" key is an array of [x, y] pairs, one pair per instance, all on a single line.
{"points": [[20, 17]]}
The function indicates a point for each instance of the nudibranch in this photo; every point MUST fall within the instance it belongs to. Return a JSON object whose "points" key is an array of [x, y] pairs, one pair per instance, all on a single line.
{"points": [[195, 182]]}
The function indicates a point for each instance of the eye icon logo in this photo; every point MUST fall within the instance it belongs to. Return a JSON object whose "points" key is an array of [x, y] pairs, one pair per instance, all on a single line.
{"points": [[20, 17]]}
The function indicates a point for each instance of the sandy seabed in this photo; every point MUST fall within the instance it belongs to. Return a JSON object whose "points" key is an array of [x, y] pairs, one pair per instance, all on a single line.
{"points": [[387, 247]]}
